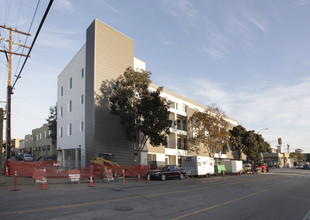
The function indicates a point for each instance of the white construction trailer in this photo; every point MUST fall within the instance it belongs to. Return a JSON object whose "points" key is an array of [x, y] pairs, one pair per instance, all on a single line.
{"points": [[198, 165], [233, 166]]}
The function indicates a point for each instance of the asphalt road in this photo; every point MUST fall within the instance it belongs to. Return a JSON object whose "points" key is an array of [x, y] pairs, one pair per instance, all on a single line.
{"points": [[279, 194]]}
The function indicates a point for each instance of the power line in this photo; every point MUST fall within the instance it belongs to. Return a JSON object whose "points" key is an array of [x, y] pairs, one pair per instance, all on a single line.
{"points": [[35, 12], [20, 7], [34, 40], [8, 6]]}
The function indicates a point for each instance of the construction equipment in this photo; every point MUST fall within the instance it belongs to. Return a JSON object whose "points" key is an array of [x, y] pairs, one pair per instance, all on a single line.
{"points": [[106, 159]]}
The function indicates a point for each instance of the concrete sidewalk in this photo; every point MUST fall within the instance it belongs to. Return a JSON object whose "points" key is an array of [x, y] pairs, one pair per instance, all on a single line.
{"points": [[24, 181]]}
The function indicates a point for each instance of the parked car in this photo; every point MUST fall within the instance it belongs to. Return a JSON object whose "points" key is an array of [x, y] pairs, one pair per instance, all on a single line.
{"points": [[263, 167], [247, 167], [168, 171], [27, 157], [306, 167], [20, 156], [299, 166]]}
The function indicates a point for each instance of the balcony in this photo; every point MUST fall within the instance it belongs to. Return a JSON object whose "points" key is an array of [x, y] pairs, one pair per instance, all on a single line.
{"points": [[179, 127], [171, 145], [180, 109], [180, 145]]}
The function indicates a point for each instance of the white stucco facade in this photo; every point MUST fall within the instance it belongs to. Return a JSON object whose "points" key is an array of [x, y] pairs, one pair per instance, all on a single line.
{"points": [[71, 112]]}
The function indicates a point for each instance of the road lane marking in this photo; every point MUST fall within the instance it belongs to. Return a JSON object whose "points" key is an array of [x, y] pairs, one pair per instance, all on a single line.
{"points": [[221, 204], [286, 174], [120, 199], [307, 217]]}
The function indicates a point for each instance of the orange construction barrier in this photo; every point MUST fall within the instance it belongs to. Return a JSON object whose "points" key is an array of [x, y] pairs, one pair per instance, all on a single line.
{"points": [[91, 182]]}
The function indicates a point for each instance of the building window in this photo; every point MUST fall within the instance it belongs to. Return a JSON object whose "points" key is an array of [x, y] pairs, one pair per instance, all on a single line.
{"points": [[60, 132], [49, 132], [151, 159], [61, 91], [69, 129], [81, 126], [61, 111], [82, 73], [70, 83], [44, 134], [82, 99], [70, 106]]}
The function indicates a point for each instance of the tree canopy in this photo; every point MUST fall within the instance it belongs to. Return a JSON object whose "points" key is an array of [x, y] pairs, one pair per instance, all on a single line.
{"points": [[143, 113], [209, 128], [236, 140], [249, 143], [298, 155], [52, 123]]}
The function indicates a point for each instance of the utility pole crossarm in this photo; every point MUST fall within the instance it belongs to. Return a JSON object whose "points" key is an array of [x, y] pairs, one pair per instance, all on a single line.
{"points": [[19, 54], [15, 30], [21, 45]]}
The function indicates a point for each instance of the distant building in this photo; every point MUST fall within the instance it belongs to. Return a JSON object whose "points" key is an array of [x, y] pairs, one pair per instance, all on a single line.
{"points": [[15, 144], [28, 143], [43, 147], [39, 144], [21, 145], [85, 126]]}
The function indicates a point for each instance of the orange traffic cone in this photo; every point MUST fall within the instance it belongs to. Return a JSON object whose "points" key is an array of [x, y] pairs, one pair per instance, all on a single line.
{"points": [[7, 171], [139, 180], [91, 182], [123, 176], [43, 185], [148, 178]]}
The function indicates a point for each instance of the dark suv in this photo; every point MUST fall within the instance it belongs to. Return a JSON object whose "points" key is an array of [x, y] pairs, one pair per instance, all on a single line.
{"points": [[168, 171]]}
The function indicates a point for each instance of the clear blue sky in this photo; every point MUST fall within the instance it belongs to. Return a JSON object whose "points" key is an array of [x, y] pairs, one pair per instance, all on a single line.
{"points": [[251, 58]]}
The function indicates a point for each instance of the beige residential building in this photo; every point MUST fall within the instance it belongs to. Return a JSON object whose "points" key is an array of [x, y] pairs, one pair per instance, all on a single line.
{"points": [[39, 144], [181, 109], [28, 143], [15, 144], [85, 126]]}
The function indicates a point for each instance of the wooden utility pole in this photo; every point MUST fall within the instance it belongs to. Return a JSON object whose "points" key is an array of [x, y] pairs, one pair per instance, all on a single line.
{"points": [[9, 54], [1, 140]]}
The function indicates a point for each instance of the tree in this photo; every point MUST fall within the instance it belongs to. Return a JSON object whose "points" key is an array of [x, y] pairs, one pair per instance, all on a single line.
{"points": [[144, 114], [298, 155], [255, 146], [236, 140], [307, 157], [52, 123], [209, 128]]}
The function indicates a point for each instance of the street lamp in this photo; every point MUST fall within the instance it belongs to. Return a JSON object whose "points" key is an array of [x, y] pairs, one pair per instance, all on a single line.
{"points": [[262, 130]]}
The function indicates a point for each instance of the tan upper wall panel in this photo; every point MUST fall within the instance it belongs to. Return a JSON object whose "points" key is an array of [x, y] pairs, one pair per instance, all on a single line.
{"points": [[114, 53]]}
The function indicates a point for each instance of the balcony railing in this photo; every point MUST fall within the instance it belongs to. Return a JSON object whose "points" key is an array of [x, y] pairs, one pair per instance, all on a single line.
{"points": [[179, 125], [171, 144], [177, 145], [182, 146]]}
